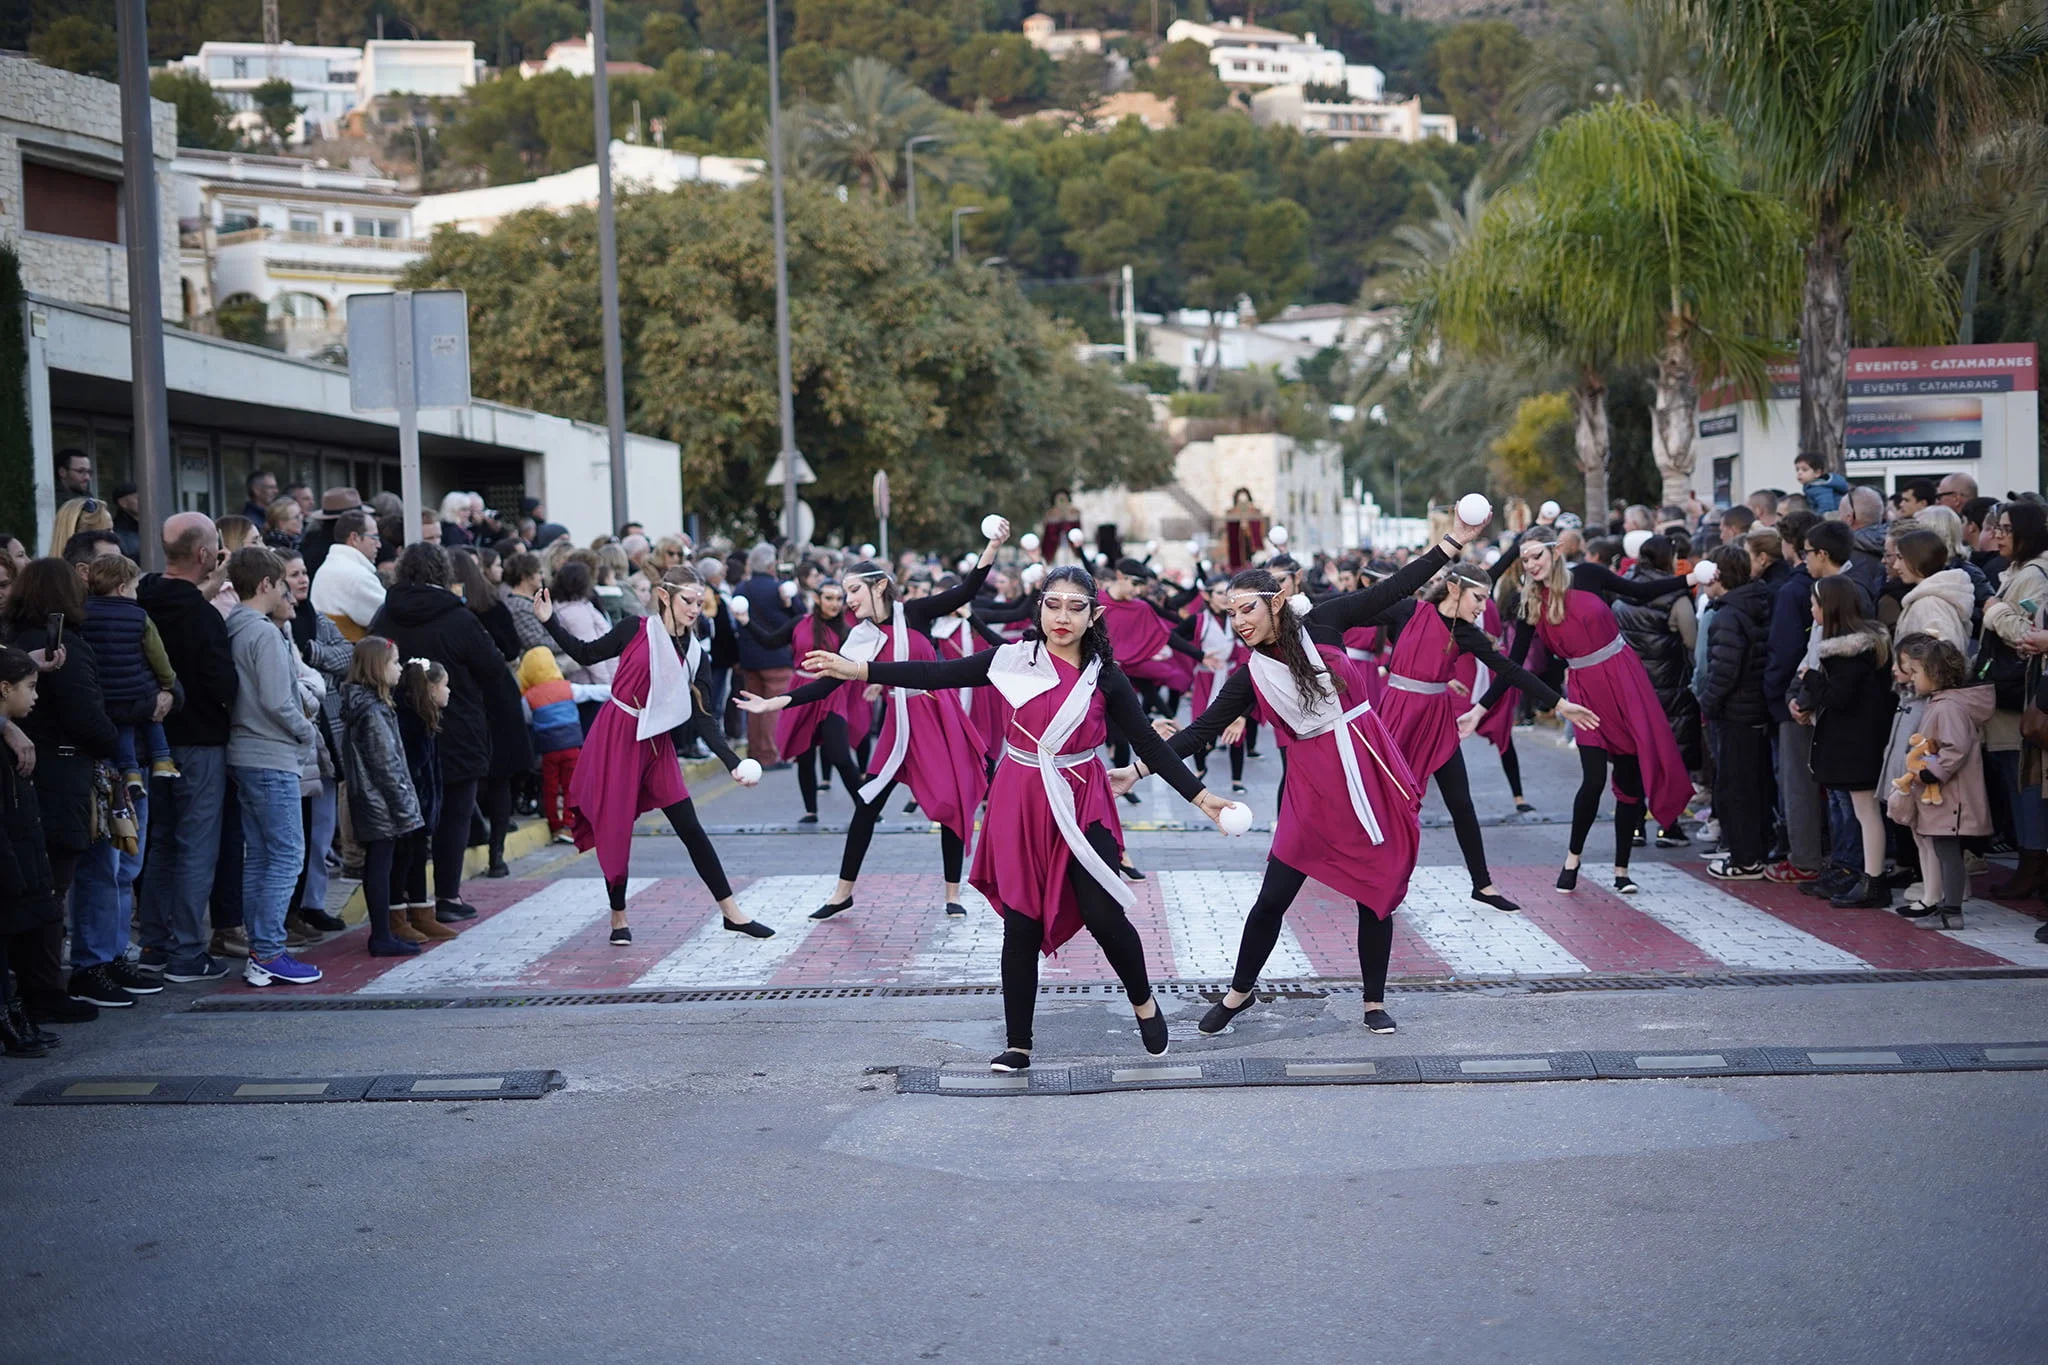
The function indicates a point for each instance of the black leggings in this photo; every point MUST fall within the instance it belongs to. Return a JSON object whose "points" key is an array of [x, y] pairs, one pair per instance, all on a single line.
{"points": [[1628, 803], [494, 796], [831, 745], [1150, 703], [1454, 784], [1262, 932], [451, 837], [1023, 936], [1251, 737], [1511, 767], [859, 834], [682, 818], [387, 868]]}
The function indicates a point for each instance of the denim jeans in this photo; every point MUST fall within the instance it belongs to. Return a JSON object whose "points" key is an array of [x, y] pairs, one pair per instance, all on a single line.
{"points": [[2029, 808], [273, 851], [1845, 832], [184, 842], [314, 897], [103, 899]]}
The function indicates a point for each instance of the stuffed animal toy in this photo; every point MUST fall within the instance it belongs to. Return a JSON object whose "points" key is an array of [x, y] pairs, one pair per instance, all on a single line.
{"points": [[1916, 773]]}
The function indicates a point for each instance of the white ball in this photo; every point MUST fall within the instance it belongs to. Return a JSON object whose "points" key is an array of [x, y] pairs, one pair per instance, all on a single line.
{"points": [[1705, 572], [1549, 509], [991, 526], [1074, 537], [1034, 574], [1474, 509], [1278, 535], [741, 610], [1029, 541], [747, 773], [1236, 818], [867, 552]]}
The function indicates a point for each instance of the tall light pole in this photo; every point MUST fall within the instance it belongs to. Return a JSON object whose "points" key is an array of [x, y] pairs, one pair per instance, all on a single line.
{"points": [[785, 402], [608, 268], [150, 407], [910, 169], [958, 214]]}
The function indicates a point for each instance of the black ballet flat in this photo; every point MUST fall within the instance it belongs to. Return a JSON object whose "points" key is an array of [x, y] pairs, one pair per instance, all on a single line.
{"points": [[1568, 879], [1626, 885], [910, 807], [622, 937], [810, 819], [1379, 1021], [753, 928], [1153, 1030], [955, 910], [1131, 873], [831, 908], [1134, 799], [1010, 1059], [1496, 900], [1523, 807], [1219, 1016]]}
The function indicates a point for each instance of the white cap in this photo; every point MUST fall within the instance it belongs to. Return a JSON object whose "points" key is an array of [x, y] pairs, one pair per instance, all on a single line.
{"points": [[1632, 543]]}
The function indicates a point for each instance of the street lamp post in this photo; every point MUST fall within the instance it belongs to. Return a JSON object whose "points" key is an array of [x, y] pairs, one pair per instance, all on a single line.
{"points": [[785, 402], [608, 270], [147, 400], [958, 214], [910, 169]]}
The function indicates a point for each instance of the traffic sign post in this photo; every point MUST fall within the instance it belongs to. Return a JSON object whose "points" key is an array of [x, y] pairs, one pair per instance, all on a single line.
{"points": [[408, 350], [882, 509]]}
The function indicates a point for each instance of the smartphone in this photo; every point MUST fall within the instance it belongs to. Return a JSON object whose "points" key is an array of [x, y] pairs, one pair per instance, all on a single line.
{"points": [[53, 635]]}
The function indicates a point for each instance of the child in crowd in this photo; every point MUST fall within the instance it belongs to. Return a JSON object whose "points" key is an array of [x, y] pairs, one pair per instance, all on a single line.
{"points": [[1951, 719], [422, 696], [383, 808], [1822, 489], [134, 670], [1849, 695], [551, 702]]}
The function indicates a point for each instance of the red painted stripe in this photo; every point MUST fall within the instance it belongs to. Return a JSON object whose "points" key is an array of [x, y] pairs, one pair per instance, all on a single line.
{"points": [[1879, 937], [345, 963], [1326, 926], [1598, 927], [893, 917], [663, 916]]}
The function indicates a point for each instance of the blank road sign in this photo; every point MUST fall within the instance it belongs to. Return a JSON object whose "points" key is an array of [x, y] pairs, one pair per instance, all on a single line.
{"points": [[440, 350]]}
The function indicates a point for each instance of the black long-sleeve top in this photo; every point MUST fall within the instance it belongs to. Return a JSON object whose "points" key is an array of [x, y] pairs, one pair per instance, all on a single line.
{"points": [[786, 632], [1125, 712], [612, 644], [918, 614], [1470, 639], [1004, 613], [1584, 577]]}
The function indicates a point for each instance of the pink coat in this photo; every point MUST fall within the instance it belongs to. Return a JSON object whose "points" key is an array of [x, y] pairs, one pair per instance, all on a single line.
{"points": [[1954, 720]]}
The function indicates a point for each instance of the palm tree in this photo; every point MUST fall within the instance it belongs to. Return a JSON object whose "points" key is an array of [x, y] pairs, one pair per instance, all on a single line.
{"points": [[1843, 103], [857, 137], [1605, 50]]}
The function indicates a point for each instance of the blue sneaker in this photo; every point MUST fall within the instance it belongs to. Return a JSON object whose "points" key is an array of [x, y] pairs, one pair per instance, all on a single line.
{"points": [[203, 969], [283, 969], [154, 961]]}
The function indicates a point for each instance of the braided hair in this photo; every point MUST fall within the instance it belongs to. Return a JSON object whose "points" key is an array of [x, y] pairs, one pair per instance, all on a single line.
{"points": [[1095, 640], [1287, 645]]}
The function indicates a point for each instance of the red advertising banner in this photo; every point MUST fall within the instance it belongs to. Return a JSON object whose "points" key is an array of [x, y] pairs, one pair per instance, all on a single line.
{"points": [[1899, 372]]}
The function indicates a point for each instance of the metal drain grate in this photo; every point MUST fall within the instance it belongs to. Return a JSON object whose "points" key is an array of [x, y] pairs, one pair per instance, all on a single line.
{"points": [[1319, 989]]}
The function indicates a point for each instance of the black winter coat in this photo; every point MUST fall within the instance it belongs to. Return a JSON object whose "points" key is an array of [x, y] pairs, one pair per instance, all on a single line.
{"points": [[1738, 646], [28, 895], [381, 800], [196, 641], [1851, 698], [72, 733], [1647, 628], [483, 732]]}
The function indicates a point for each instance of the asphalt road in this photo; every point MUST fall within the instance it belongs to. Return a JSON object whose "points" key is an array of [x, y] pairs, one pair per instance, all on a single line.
{"points": [[731, 1182]]}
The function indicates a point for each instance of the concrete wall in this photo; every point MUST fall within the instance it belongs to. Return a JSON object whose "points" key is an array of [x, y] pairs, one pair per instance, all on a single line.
{"points": [[76, 121]]}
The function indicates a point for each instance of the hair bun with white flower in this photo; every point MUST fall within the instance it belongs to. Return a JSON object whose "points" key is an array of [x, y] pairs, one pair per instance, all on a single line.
{"points": [[421, 664], [1299, 604]]}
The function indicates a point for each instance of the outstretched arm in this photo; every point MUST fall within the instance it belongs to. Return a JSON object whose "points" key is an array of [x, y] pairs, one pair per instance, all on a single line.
{"points": [[933, 675], [1506, 672], [1351, 609], [1128, 716], [1601, 579], [925, 610], [1232, 700], [609, 645]]}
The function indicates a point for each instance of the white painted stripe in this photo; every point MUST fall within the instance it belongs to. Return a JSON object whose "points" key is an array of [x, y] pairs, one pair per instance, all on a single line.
{"points": [[1477, 940], [714, 956], [497, 951], [2000, 932], [960, 952], [1205, 913], [1728, 928]]}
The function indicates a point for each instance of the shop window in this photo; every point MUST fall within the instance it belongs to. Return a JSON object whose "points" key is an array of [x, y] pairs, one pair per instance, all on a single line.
{"points": [[69, 203]]}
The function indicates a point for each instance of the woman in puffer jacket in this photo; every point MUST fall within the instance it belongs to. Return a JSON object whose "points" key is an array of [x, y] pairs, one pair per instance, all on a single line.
{"points": [[1732, 701]]}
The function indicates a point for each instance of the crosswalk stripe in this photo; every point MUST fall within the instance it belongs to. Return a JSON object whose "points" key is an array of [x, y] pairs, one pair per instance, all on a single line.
{"points": [[2004, 933], [1205, 914], [1476, 940], [495, 951], [715, 956], [1731, 929], [969, 951]]}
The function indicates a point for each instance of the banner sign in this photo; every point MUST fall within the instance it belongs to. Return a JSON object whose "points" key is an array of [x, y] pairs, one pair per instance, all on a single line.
{"points": [[1899, 372], [1915, 428]]}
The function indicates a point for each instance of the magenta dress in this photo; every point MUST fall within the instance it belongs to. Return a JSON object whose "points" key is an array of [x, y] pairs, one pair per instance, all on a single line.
{"points": [[943, 765], [1498, 726], [620, 778], [1203, 689], [796, 729], [1424, 724], [1632, 720], [1362, 645], [1136, 636]]}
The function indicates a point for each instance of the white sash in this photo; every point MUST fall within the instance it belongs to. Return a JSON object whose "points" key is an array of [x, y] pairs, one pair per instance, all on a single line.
{"points": [[943, 630], [1021, 677], [1217, 638], [867, 637], [1276, 685], [668, 683]]}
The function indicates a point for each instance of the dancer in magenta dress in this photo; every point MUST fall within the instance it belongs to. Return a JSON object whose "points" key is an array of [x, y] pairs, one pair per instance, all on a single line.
{"points": [[926, 741], [1497, 727], [1438, 646], [1349, 811], [629, 762], [1561, 607], [1053, 870], [1209, 629], [1151, 656], [830, 730]]}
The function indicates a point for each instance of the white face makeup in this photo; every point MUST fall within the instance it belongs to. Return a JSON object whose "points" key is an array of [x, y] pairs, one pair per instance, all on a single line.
{"points": [[681, 608], [861, 598], [1065, 616], [1535, 562], [1251, 616]]}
